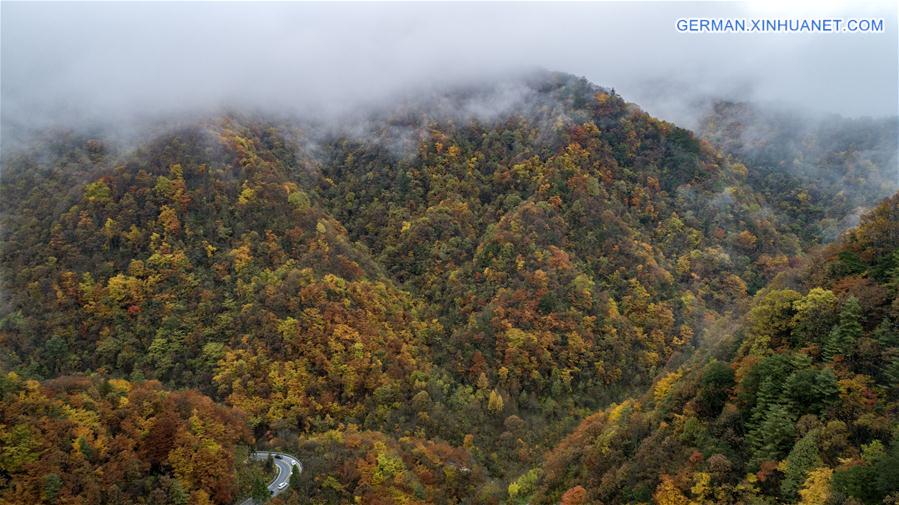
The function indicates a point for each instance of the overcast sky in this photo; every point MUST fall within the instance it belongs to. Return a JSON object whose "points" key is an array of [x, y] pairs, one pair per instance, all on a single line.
{"points": [[66, 62]]}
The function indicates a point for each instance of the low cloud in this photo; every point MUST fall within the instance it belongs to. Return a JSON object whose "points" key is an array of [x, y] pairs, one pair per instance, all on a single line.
{"points": [[76, 63]]}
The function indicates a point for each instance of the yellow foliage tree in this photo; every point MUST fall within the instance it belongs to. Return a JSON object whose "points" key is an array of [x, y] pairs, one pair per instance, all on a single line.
{"points": [[495, 402], [668, 494], [816, 490]]}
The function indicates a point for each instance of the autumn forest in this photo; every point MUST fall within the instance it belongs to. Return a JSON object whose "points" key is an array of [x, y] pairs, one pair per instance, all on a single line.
{"points": [[566, 301]]}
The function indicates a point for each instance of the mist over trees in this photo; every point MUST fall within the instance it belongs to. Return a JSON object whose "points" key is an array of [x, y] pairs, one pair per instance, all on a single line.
{"points": [[515, 289], [823, 167]]}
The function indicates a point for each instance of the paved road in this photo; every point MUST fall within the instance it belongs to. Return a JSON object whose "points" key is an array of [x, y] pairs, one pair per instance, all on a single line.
{"points": [[284, 463]]}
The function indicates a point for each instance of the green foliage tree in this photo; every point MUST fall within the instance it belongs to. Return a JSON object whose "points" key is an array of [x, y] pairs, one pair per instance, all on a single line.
{"points": [[815, 315], [891, 372], [295, 478], [774, 435], [886, 333], [52, 486], [769, 320], [717, 381], [801, 460], [259, 489], [841, 339], [810, 390]]}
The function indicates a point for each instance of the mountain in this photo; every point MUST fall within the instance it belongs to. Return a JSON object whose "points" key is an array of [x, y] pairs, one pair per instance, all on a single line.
{"points": [[102, 440], [421, 298], [820, 172], [801, 407]]}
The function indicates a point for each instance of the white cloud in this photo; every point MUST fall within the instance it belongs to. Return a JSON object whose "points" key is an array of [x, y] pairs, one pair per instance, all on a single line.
{"points": [[65, 62]]}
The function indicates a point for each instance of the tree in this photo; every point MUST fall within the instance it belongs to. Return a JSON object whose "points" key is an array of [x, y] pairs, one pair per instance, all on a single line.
{"points": [[717, 380], [56, 351], [802, 459], [176, 495], [160, 439], [769, 320], [20, 447], [771, 439], [574, 496], [259, 489], [886, 334], [810, 390], [52, 485], [891, 373], [762, 387], [495, 402], [842, 337], [816, 490], [668, 494], [295, 478], [523, 487], [887, 469], [815, 314]]}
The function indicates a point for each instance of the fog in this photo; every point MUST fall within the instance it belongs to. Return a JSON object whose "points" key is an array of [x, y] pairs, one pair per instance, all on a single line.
{"points": [[70, 63]]}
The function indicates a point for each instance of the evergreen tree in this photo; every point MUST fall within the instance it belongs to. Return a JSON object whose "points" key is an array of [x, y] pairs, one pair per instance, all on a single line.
{"points": [[891, 372], [765, 385], [886, 333], [717, 380], [810, 390], [802, 459], [775, 434], [52, 485], [259, 491], [842, 337], [295, 478]]}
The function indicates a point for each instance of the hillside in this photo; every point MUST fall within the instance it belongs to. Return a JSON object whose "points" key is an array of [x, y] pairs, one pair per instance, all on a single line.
{"points": [[804, 408], [80, 440], [817, 172], [440, 282]]}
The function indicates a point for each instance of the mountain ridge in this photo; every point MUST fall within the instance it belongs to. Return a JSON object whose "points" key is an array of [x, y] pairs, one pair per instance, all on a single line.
{"points": [[467, 287]]}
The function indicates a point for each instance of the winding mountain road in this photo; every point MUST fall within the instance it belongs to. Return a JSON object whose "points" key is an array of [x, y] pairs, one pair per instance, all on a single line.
{"points": [[285, 463]]}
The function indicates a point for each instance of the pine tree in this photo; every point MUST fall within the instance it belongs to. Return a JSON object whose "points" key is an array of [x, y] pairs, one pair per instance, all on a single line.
{"points": [[295, 478], [810, 390], [891, 372], [771, 373], [842, 337], [802, 459], [886, 334], [775, 434], [259, 489]]}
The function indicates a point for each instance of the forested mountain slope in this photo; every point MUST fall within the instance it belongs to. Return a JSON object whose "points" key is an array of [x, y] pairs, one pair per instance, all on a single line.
{"points": [[817, 171], [804, 408], [199, 261], [608, 222], [78, 440], [443, 277]]}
